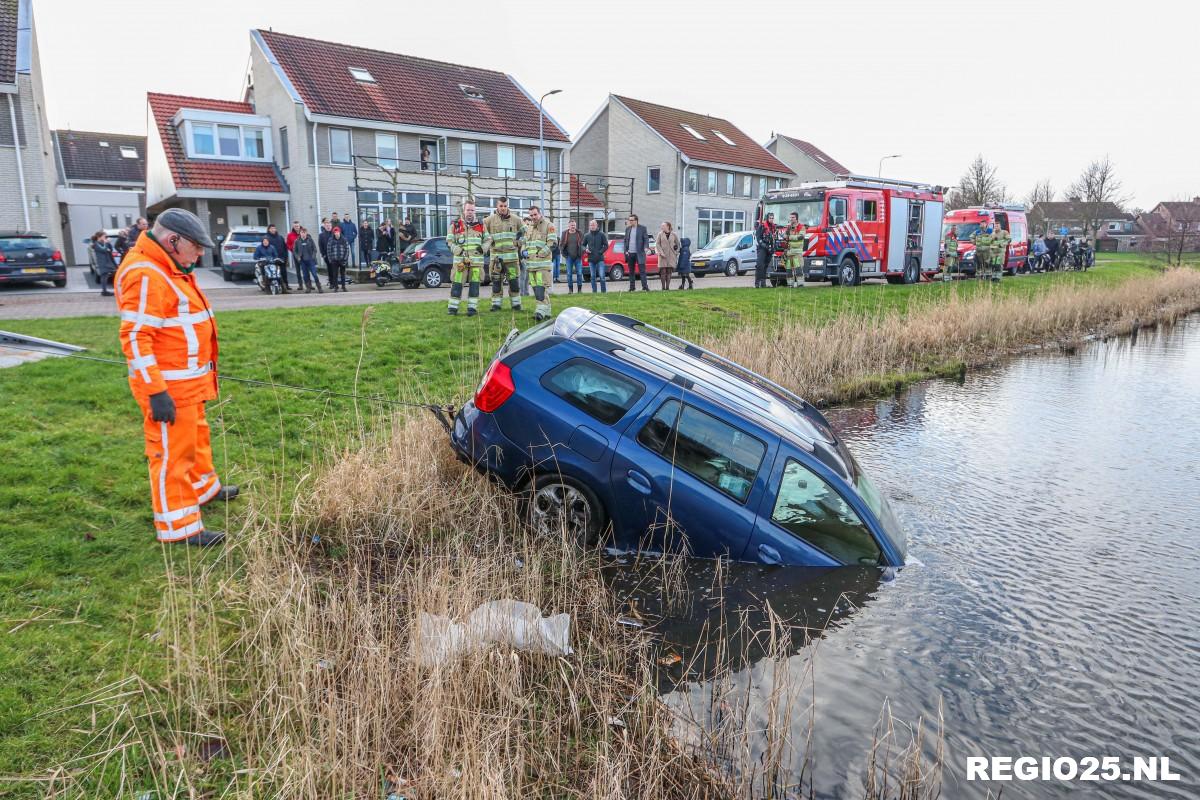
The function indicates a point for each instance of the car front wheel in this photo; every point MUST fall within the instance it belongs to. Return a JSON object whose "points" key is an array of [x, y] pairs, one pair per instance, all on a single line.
{"points": [[731, 269], [558, 505], [433, 278]]}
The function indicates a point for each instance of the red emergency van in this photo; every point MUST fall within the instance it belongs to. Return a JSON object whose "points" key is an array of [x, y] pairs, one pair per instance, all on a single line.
{"points": [[861, 227], [966, 223]]}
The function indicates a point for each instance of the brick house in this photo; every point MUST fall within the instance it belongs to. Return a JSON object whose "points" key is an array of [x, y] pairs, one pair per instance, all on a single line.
{"points": [[381, 134], [806, 160], [701, 172], [1117, 230], [27, 174], [214, 158], [101, 184], [1171, 225]]}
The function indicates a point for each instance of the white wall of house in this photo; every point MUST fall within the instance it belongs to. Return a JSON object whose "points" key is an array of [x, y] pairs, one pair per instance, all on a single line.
{"points": [[805, 166], [86, 211]]}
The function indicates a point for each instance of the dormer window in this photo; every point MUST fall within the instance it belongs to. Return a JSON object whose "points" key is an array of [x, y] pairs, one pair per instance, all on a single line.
{"points": [[723, 138], [693, 131], [232, 140], [128, 152], [471, 92], [360, 74], [103, 144]]}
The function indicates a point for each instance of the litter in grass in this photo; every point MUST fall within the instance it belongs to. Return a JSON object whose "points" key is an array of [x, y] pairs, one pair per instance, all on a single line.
{"points": [[507, 622]]}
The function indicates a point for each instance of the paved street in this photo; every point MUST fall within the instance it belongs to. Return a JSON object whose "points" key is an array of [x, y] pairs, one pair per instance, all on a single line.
{"points": [[81, 297]]}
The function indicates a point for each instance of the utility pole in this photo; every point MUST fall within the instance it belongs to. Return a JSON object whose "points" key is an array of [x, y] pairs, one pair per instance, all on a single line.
{"points": [[542, 145]]}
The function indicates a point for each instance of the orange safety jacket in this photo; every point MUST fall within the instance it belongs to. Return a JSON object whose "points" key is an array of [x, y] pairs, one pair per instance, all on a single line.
{"points": [[168, 331]]}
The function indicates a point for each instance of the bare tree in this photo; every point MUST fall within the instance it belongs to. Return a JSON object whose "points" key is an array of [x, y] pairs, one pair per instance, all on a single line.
{"points": [[1042, 192], [1096, 186], [1183, 230], [978, 186]]}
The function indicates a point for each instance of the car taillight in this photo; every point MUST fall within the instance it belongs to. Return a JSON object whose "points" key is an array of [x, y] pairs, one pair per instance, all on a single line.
{"points": [[2, 258], [496, 388], [57, 255], [418, 255]]}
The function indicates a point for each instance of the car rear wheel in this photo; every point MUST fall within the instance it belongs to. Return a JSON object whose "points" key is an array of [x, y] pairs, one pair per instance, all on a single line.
{"points": [[616, 273], [60, 283], [433, 277], [731, 269], [558, 505]]}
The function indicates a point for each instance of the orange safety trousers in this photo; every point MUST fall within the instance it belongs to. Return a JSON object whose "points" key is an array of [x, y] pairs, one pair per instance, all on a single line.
{"points": [[182, 476]]}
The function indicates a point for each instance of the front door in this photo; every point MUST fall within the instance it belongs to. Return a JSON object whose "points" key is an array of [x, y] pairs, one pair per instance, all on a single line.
{"points": [[680, 475]]}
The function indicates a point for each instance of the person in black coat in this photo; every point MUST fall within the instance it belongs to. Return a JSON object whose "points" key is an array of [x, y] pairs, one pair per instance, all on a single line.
{"points": [[366, 242], [280, 245], [685, 264], [106, 261]]}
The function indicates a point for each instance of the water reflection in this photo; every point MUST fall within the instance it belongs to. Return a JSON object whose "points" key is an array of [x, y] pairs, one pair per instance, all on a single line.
{"points": [[1053, 509]]}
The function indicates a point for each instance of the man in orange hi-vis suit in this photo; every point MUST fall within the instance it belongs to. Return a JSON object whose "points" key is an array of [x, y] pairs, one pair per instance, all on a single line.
{"points": [[169, 336]]}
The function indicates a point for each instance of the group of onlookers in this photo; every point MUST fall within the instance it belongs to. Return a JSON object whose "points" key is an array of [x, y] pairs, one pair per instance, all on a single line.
{"points": [[108, 254], [673, 254]]}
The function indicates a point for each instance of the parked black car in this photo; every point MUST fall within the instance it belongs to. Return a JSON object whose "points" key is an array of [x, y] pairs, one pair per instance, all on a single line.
{"points": [[30, 257], [425, 263]]}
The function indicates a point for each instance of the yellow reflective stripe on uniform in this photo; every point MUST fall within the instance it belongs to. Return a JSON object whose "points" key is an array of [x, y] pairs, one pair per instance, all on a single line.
{"points": [[176, 515], [133, 332], [186, 374]]}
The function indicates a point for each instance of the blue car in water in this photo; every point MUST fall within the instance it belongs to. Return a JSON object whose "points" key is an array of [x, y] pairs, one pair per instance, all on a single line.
{"points": [[599, 420]]}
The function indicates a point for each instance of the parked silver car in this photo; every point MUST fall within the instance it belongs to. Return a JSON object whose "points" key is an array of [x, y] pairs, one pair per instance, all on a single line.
{"points": [[237, 251], [728, 254]]}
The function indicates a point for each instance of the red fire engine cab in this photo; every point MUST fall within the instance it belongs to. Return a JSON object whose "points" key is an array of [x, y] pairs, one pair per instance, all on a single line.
{"points": [[966, 223], [861, 227]]}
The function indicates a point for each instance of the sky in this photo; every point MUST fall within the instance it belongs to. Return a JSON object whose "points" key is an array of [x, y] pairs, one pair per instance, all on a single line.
{"points": [[1038, 88]]}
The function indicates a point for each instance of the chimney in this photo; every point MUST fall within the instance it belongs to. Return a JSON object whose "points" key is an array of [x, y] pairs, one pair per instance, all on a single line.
{"points": [[1196, 199]]}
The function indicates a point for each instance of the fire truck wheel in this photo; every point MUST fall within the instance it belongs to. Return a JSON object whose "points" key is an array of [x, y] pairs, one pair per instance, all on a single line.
{"points": [[912, 271], [848, 272]]}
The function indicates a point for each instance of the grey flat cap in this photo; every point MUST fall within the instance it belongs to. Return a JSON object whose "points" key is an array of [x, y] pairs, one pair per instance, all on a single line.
{"points": [[186, 224]]}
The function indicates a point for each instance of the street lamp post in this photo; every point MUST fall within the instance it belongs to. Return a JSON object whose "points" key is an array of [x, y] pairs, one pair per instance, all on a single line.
{"points": [[885, 158], [542, 147]]}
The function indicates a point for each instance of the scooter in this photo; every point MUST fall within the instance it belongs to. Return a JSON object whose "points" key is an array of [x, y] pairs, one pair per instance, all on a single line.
{"points": [[268, 276]]}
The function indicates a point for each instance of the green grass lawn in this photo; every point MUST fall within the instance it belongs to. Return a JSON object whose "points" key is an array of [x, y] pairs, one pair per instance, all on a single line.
{"points": [[80, 576]]}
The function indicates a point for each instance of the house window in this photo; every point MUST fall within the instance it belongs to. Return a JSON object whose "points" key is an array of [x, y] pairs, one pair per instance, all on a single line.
{"points": [[745, 185], [128, 152], [693, 181], [506, 161], [724, 138], [779, 183], [284, 156], [471, 92], [203, 143], [868, 210], [360, 74], [227, 140], [387, 150], [692, 131], [539, 163], [253, 142], [431, 155], [712, 182], [470, 158], [762, 187], [713, 222], [729, 183], [653, 179], [339, 146]]}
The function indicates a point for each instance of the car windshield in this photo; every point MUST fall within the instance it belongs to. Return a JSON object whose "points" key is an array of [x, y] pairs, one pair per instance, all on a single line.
{"points": [[808, 210], [962, 230], [877, 503], [246, 236], [10, 244], [723, 242]]}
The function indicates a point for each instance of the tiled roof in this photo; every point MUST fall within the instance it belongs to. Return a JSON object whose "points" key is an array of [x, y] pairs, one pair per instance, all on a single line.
{"points": [[1069, 210], [668, 123], [406, 90], [1185, 209], [191, 173], [818, 155], [9, 10], [84, 159], [582, 197]]}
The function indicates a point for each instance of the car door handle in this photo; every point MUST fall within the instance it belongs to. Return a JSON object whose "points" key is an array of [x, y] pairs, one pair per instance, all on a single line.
{"points": [[768, 554], [638, 481]]}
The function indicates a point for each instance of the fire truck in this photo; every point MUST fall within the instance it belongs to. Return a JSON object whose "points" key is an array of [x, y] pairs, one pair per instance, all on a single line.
{"points": [[860, 227], [966, 223]]}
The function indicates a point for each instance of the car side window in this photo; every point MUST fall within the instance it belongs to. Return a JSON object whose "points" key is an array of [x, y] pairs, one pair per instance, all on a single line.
{"points": [[810, 509], [618, 247], [745, 242], [723, 456], [837, 210], [597, 391]]}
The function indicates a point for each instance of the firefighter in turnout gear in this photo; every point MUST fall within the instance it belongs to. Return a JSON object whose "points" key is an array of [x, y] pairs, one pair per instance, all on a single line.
{"points": [[1000, 240], [466, 241], [169, 337], [540, 240], [983, 251], [950, 258], [793, 258], [503, 233]]}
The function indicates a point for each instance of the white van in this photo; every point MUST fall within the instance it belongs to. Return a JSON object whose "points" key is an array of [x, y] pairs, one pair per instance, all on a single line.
{"points": [[728, 254]]}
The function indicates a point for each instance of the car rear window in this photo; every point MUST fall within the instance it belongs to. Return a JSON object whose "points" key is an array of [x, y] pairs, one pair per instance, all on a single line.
{"points": [[12, 243], [722, 455], [243, 236], [598, 391]]}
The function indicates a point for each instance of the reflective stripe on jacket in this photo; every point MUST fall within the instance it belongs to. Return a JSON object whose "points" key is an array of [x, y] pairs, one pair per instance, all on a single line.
{"points": [[168, 331]]}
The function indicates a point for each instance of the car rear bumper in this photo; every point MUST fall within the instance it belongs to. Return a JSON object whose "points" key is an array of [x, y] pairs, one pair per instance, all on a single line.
{"points": [[478, 441], [241, 267], [20, 275]]}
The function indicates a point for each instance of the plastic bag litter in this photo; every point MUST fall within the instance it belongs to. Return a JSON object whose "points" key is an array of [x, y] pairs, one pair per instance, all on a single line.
{"points": [[509, 622]]}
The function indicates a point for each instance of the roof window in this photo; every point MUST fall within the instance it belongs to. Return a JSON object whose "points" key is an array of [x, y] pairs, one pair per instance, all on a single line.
{"points": [[693, 131], [724, 138], [471, 91], [128, 152], [103, 144], [360, 74]]}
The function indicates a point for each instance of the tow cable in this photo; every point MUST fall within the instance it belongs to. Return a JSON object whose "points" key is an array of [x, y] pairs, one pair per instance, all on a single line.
{"points": [[444, 414]]}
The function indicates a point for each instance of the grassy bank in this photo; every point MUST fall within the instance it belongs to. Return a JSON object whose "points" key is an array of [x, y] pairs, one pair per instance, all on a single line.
{"points": [[88, 601]]}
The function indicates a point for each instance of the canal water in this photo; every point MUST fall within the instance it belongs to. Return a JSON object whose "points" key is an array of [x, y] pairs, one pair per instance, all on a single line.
{"points": [[1051, 606]]}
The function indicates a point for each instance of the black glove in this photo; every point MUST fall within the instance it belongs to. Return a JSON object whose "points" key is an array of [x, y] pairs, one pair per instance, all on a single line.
{"points": [[162, 408]]}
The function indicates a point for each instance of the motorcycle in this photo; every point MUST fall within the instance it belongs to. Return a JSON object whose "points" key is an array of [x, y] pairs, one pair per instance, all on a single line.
{"points": [[268, 275]]}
